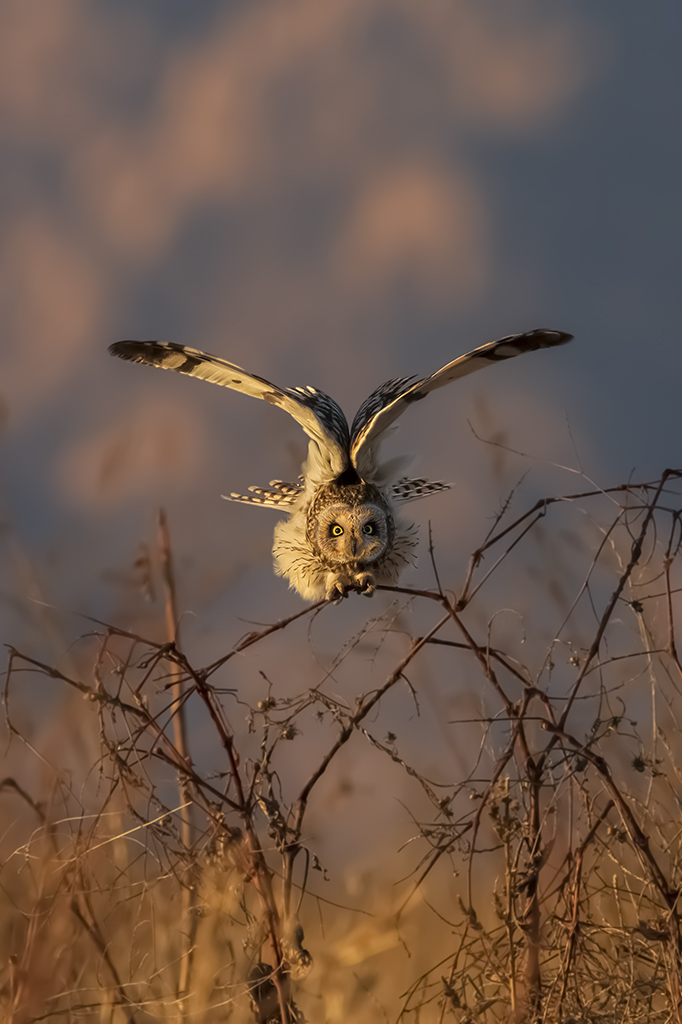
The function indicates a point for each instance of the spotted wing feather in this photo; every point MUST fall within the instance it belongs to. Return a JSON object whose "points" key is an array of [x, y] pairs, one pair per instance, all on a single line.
{"points": [[278, 495], [410, 490], [390, 400], [318, 414]]}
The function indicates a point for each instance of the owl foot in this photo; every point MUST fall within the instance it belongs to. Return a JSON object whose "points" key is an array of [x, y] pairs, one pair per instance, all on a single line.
{"points": [[340, 586], [336, 591], [364, 584]]}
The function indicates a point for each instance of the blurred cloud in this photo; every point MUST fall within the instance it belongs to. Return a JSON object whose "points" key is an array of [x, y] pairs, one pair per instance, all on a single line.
{"points": [[57, 61], [325, 130], [303, 91], [158, 442], [513, 68], [419, 227], [51, 303], [38, 44]]}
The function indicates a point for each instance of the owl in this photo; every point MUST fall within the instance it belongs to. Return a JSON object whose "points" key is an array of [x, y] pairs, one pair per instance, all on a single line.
{"points": [[345, 530]]}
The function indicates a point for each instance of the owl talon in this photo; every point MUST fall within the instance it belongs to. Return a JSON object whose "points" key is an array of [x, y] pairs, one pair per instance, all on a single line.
{"points": [[336, 592], [365, 585]]}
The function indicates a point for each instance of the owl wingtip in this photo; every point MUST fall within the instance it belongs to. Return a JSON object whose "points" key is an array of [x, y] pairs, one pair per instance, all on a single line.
{"points": [[555, 337], [129, 349]]}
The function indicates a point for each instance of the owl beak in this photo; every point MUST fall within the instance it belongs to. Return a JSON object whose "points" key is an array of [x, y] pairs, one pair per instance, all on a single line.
{"points": [[354, 545]]}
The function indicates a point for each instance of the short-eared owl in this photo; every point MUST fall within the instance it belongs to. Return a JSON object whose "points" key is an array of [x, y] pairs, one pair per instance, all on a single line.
{"points": [[343, 531]]}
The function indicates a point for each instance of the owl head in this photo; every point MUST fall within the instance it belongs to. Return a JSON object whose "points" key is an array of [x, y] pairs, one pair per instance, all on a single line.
{"points": [[350, 525]]}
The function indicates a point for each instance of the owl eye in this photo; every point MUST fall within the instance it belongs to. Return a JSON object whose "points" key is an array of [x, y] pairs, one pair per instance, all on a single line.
{"points": [[336, 530], [368, 528]]}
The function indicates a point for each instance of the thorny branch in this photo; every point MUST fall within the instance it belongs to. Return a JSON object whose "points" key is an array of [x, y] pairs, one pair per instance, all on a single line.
{"points": [[525, 825]]}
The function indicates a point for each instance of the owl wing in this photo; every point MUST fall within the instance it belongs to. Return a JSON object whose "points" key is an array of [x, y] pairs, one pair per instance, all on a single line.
{"points": [[405, 490], [390, 400], [319, 415], [279, 495]]}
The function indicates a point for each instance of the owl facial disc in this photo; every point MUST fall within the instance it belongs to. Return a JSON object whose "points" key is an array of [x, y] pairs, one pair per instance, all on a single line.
{"points": [[346, 534]]}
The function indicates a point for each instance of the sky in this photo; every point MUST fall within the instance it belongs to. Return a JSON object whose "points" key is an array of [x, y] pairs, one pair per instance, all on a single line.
{"points": [[328, 194]]}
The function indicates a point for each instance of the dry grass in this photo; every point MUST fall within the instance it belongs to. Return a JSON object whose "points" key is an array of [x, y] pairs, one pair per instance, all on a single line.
{"points": [[166, 865]]}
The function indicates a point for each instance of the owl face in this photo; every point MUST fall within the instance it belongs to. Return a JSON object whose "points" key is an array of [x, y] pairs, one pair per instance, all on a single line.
{"points": [[346, 534]]}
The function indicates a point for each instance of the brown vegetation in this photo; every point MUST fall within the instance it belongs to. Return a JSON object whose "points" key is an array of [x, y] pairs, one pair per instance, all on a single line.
{"points": [[168, 865]]}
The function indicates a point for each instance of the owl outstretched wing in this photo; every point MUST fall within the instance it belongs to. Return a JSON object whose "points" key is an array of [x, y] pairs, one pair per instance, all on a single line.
{"points": [[319, 415], [390, 400]]}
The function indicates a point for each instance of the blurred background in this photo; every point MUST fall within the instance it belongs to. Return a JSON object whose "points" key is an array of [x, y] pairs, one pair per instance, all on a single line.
{"points": [[330, 194]]}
